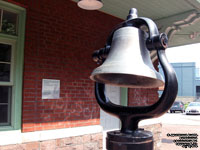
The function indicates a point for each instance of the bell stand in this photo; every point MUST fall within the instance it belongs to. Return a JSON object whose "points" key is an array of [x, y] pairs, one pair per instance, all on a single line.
{"points": [[130, 136]]}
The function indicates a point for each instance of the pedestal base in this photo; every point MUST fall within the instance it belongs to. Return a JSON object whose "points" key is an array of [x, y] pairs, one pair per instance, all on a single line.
{"points": [[138, 140]]}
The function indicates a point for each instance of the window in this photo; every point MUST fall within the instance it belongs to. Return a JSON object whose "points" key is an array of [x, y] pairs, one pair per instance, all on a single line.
{"points": [[12, 21], [198, 92], [8, 22], [6, 83]]}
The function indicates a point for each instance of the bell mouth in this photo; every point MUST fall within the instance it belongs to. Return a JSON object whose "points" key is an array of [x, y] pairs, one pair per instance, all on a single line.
{"points": [[127, 80]]}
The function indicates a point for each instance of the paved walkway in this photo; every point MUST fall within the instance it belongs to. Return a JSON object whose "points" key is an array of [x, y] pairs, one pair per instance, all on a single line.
{"points": [[167, 141]]}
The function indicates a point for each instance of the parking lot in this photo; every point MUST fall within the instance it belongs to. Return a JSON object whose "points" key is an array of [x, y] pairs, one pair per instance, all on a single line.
{"points": [[178, 123], [180, 118]]}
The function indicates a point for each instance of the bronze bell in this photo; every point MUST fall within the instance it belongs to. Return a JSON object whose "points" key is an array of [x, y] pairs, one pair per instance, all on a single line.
{"points": [[128, 63]]}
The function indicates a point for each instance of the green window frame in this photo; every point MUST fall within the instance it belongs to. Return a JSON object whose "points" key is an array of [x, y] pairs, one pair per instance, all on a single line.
{"points": [[6, 83], [16, 40], [124, 96]]}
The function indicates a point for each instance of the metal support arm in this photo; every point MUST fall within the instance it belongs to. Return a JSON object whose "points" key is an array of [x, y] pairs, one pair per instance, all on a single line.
{"points": [[130, 116]]}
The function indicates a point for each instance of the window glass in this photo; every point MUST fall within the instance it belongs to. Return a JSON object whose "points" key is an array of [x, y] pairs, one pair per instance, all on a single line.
{"points": [[4, 113], [5, 52], [9, 23], [5, 103], [4, 72], [5, 94], [5, 62]]}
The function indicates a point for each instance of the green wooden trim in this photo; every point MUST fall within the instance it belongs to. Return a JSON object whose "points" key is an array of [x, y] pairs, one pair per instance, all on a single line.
{"points": [[6, 128], [9, 37], [10, 83], [124, 96], [11, 7], [6, 83], [19, 71], [16, 112], [1, 18]]}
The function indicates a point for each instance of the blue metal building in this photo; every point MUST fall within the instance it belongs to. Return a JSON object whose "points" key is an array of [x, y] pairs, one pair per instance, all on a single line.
{"points": [[188, 80]]}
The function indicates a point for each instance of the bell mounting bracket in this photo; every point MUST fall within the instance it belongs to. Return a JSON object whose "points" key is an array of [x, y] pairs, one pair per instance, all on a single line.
{"points": [[155, 41], [131, 115]]}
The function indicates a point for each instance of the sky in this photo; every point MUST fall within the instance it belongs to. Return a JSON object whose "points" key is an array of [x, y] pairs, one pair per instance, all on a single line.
{"points": [[188, 53]]}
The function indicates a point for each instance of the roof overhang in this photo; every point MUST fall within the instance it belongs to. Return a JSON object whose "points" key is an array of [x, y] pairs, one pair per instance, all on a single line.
{"points": [[179, 19]]}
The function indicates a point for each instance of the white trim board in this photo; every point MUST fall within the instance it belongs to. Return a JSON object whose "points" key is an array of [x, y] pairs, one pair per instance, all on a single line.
{"points": [[16, 137]]}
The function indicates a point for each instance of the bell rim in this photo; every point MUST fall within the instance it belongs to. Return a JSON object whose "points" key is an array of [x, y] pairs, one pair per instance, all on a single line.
{"points": [[159, 82]]}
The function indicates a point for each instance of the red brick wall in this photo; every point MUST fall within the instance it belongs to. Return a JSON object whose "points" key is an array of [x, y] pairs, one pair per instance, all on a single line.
{"points": [[143, 97], [59, 41]]}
